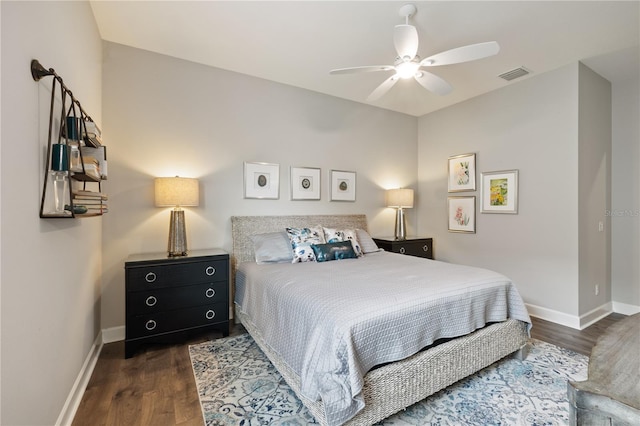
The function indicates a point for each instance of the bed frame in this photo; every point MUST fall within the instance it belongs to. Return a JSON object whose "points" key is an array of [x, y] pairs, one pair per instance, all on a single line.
{"points": [[395, 386]]}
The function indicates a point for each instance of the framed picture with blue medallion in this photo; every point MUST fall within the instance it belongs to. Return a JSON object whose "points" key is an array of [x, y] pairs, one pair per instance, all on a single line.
{"points": [[305, 183], [262, 180], [343, 185]]}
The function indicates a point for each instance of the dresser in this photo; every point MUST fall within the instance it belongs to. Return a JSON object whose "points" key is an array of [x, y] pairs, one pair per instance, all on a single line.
{"points": [[169, 298], [420, 247]]}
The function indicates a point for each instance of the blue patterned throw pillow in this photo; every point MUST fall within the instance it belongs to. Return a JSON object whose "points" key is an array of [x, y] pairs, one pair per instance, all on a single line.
{"points": [[301, 241], [333, 251]]}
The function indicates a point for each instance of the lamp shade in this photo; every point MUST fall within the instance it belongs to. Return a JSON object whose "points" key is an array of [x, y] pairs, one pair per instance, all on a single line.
{"points": [[176, 191], [400, 198]]}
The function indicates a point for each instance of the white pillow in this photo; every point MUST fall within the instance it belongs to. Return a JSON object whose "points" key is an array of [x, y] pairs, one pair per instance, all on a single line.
{"points": [[337, 235], [366, 242], [272, 247]]}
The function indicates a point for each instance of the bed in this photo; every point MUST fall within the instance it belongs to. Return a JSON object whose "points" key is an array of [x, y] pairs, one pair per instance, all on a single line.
{"points": [[367, 389]]}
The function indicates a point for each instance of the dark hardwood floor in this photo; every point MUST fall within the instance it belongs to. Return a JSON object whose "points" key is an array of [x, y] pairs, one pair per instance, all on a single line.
{"points": [[156, 387]]}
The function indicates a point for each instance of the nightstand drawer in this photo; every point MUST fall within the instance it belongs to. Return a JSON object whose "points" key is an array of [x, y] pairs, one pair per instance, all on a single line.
{"points": [[162, 299], [170, 275], [413, 248], [420, 247], [162, 322]]}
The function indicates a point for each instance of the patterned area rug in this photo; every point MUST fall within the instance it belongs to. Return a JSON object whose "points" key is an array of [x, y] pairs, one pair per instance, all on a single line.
{"points": [[237, 385]]}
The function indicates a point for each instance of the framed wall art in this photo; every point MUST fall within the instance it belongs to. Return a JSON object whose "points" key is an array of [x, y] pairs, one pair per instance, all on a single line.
{"points": [[305, 183], [462, 214], [499, 192], [343, 185], [462, 173], [261, 180]]}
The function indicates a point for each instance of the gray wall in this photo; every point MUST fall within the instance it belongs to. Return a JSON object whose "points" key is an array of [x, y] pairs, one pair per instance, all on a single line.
{"points": [[531, 126], [164, 116], [625, 196], [594, 199], [51, 268]]}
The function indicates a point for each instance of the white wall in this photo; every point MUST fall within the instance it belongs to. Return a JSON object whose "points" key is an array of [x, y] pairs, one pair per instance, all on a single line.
{"points": [[625, 196], [50, 268], [164, 116], [530, 126], [594, 190]]}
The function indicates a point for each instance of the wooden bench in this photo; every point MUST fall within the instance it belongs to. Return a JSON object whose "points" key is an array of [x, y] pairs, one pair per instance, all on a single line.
{"points": [[611, 394]]}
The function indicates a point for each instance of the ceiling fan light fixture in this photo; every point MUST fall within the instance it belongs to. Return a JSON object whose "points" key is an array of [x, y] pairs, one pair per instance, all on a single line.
{"points": [[407, 69]]}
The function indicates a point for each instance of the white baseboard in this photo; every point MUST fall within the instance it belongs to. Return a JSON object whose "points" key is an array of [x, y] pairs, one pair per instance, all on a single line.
{"points": [[113, 334], [625, 308], [595, 315], [77, 390], [554, 316], [585, 320]]}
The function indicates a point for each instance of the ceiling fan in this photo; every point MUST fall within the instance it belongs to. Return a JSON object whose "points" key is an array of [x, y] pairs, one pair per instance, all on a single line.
{"points": [[408, 64]]}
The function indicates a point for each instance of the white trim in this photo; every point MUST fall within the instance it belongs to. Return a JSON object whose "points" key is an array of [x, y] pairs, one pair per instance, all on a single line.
{"points": [[585, 320], [80, 385], [625, 308], [595, 315], [113, 334], [554, 316]]}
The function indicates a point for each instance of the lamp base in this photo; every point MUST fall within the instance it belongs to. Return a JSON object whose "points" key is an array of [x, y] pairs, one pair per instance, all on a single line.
{"points": [[401, 226], [177, 234]]}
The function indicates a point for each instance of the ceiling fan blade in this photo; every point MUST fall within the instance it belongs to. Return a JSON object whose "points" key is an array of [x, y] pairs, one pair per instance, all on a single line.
{"points": [[362, 69], [462, 54], [433, 83], [383, 88], [405, 39]]}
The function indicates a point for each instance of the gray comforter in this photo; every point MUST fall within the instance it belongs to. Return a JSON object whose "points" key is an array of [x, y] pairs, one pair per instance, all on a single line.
{"points": [[332, 322]]}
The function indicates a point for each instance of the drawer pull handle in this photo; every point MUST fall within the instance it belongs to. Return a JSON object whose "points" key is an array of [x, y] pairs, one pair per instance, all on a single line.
{"points": [[425, 248], [210, 270], [402, 250], [210, 314], [150, 325], [151, 301], [210, 293], [150, 277]]}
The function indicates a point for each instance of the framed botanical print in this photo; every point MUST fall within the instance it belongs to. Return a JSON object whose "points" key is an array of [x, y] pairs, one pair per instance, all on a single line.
{"points": [[462, 214], [261, 180], [305, 183], [499, 192], [343, 185], [462, 173]]}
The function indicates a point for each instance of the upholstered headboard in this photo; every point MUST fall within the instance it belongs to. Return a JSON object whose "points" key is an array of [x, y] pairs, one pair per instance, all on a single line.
{"points": [[242, 227]]}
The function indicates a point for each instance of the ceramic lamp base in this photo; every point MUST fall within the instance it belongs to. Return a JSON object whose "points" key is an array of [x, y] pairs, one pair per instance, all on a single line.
{"points": [[177, 234]]}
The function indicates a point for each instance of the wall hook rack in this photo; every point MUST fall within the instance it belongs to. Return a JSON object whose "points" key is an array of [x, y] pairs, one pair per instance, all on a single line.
{"points": [[78, 156]]}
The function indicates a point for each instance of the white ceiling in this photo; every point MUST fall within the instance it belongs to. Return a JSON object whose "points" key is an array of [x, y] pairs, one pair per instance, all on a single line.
{"points": [[299, 42]]}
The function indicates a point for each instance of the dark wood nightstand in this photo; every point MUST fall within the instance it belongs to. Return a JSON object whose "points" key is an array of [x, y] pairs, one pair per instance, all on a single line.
{"points": [[420, 247], [168, 298]]}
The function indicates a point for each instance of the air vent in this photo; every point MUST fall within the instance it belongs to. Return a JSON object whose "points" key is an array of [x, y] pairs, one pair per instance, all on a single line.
{"points": [[515, 73]]}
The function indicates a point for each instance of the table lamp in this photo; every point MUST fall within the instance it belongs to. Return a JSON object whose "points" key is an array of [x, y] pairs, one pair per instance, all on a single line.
{"points": [[176, 192], [400, 199]]}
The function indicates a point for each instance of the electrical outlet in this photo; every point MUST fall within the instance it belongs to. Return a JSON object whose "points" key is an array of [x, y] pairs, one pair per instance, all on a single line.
{"points": [[597, 289]]}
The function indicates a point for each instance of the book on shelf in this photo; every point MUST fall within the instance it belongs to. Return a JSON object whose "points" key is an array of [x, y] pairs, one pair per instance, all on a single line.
{"points": [[97, 211], [88, 202], [92, 135], [98, 157], [89, 194]]}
